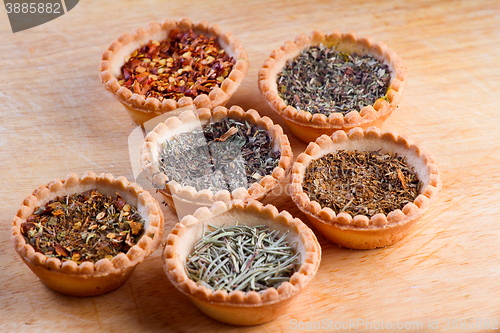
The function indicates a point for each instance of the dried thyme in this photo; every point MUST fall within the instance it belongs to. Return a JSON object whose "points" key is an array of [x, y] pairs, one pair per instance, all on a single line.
{"points": [[361, 182], [322, 80], [224, 155], [83, 227], [241, 258]]}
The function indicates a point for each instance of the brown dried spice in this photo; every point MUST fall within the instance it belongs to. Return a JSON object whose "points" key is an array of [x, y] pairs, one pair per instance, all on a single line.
{"points": [[83, 227], [185, 64], [361, 183]]}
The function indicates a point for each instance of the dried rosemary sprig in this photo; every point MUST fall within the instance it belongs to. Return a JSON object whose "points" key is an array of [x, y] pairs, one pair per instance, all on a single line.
{"points": [[322, 80], [241, 258], [364, 183], [221, 156], [81, 227]]}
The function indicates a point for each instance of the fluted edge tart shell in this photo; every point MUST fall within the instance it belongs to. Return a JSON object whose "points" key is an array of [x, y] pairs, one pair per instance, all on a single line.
{"points": [[238, 307], [87, 278], [187, 196], [307, 126], [361, 231], [146, 108]]}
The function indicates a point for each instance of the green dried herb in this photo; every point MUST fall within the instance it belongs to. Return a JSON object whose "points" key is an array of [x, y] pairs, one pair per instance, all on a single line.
{"points": [[364, 183], [241, 258], [224, 155], [322, 80], [83, 227]]}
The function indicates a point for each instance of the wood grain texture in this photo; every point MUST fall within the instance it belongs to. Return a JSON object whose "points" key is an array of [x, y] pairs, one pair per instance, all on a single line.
{"points": [[56, 118]]}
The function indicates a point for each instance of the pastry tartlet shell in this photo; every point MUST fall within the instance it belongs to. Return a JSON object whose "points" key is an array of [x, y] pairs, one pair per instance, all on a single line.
{"points": [[142, 109], [87, 278], [360, 231], [307, 126], [237, 307], [186, 198]]}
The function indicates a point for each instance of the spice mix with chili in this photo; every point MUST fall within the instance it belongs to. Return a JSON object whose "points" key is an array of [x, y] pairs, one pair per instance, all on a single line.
{"points": [[83, 227], [186, 64]]}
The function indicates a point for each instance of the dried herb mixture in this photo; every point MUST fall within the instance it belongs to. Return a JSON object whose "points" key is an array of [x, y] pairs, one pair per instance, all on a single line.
{"points": [[220, 156], [322, 80], [83, 227], [241, 258], [364, 183], [186, 64]]}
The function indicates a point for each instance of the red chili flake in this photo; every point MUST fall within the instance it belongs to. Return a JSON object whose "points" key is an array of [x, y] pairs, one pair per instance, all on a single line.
{"points": [[185, 64]]}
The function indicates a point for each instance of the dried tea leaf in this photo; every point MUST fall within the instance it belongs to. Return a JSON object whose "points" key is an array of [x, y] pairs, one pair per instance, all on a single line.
{"points": [[100, 216], [81, 223], [62, 251], [58, 212], [136, 227]]}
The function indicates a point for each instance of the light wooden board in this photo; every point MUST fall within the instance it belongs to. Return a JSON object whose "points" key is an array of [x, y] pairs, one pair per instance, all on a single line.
{"points": [[56, 118]]}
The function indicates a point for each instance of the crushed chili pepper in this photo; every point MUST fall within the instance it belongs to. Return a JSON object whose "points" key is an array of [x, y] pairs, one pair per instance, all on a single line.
{"points": [[83, 227], [185, 64]]}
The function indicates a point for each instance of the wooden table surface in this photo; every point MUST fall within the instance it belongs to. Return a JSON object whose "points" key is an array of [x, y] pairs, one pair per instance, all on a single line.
{"points": [[56, 118]]}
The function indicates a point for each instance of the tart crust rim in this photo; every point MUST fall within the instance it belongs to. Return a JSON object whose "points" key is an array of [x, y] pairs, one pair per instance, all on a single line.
{"points": [[255, 190], [218, 96], [174, 267], [344, 221], [120, 263], [369, 114]]}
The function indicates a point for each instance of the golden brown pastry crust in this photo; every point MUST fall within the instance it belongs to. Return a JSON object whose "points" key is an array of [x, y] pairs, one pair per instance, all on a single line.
{"points": [[87, 278], [237, 307], [187, 195], [142, 109], [307, 126], [363, 232]]}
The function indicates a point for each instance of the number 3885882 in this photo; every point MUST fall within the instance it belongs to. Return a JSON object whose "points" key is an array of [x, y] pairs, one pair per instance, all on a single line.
{"points": [[33, 7]]}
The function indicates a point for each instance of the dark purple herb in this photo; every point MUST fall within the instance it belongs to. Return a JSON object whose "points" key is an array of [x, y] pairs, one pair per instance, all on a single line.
{"points": [[224, 155]]}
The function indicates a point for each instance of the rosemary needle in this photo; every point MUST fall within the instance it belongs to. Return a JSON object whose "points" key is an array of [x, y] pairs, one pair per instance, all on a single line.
{"points": [[241, 258]]}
